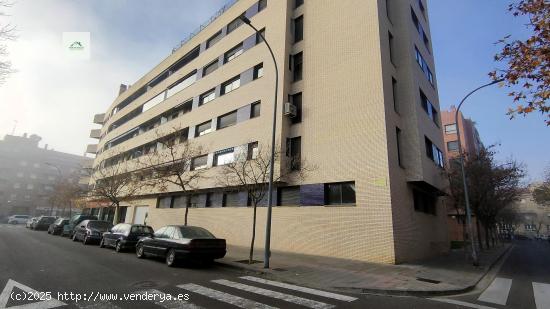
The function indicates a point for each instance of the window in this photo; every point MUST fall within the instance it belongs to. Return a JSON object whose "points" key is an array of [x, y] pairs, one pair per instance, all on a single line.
{"points": [[262, 4], [296, 100], [299, 29], [423, 65], [154, 101], [199, 163], [450, 128], [233, 53], [224, 157], [424, 202], [260, 36], [398, 142], [227, 120], [236, 23], [209, 68], [214, 39], [297, 61], [429, 108], [179, 201], [298, 3], [294, 150], [231, 85], [394, 95], [452, 146], [422, 8], [252, 151], [434, 153], [258, 71], [255, 110], [391, 43], [207, 97], [181, 84], [203, 128], [420, 29], [165, 202], [340, 193]]}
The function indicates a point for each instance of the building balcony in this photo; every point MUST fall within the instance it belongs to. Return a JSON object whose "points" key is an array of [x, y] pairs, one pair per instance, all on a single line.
{"points": [[99, 118], [95, 133], [92, 148]]}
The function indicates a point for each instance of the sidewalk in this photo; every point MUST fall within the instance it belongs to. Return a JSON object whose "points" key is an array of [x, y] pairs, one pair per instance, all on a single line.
{"points": [[443, 275]]}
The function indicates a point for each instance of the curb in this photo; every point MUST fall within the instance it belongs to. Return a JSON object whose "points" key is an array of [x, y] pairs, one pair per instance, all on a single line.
{"points": [[351, 290]]}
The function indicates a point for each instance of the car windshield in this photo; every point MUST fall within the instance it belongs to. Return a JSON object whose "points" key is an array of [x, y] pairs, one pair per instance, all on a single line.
{"points": [[99, 225], [48, 219], [141, 229], [195, 232]]}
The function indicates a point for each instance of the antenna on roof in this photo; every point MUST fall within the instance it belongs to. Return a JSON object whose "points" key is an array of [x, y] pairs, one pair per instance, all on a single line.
{"points": [[14, 126]]}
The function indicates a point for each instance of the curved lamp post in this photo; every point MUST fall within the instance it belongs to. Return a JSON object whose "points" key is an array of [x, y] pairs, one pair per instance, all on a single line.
{"points": [[460, 154], [267, 251]]}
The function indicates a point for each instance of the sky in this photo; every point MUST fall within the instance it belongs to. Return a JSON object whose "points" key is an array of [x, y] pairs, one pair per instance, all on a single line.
{"points": [[56, 97]]}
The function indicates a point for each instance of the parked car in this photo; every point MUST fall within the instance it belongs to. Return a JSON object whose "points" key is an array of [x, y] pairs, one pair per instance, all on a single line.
{"points": [[68, 229], [31, 222], [18, 219], [125, 236], [56, 228], [89, 231], [43, 223], [176, 242]]}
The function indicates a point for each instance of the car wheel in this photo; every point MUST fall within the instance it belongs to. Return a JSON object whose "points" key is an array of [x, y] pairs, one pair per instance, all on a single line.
{"points": [[118, 247], [171, 258], [102, 243], [140, 252]]}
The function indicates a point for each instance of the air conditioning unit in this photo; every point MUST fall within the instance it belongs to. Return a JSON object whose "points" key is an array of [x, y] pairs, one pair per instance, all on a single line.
{"points": [[290, 110]]}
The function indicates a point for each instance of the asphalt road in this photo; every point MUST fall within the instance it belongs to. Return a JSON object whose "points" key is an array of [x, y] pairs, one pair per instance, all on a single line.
{"points": [[522, 281], [39, 264]]}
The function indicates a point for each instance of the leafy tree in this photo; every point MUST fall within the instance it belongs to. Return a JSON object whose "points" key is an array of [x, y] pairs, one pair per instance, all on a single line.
{"points": [[527, 61]]}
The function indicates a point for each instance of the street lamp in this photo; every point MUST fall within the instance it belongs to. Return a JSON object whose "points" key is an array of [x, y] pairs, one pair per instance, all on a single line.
{"points": [[267, 251], [466, 197]]}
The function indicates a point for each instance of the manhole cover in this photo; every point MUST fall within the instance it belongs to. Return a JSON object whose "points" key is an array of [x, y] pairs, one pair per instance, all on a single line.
{"points": [[428, 280], [247, 262], [145, 284]]}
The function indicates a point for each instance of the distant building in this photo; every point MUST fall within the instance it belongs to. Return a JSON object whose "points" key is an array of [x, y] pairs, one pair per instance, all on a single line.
{"points": [[470, 140], [533, 219], [471, 144], [29, 173]]}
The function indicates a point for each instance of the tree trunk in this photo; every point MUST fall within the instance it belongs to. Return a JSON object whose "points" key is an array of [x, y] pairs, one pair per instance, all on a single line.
{"points": [[480, 242], [487, 245], [186, 211], [117, 213], [251, 256]]}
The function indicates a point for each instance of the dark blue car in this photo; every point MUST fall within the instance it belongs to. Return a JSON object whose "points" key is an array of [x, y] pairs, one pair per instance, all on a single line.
{"points": [[125, 236]]}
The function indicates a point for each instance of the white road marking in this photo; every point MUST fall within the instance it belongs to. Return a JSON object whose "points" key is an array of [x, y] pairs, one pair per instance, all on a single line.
{"points": [[286, 297], [172, 303], [6, 293], [541, 292], [301, 289], [102, 304], [460, 303], [497, 292], [224, 297]]}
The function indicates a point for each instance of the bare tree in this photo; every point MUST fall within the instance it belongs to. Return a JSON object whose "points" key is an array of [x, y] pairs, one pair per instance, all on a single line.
{"points": [[66, 192], [7, 33], [250, 171], [115, 184], [170, 162]]}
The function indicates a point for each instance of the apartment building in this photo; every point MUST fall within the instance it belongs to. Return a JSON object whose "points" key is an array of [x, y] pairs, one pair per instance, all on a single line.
{"points": [[471, 144], [29, 174], [469, 136], [360, 77]]}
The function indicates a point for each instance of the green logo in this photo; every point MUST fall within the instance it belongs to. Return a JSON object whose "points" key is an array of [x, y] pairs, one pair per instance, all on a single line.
{"points": [[76, 45]]}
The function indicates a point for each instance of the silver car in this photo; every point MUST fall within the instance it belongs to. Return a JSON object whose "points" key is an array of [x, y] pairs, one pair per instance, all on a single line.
{"points": [[18, 219]]}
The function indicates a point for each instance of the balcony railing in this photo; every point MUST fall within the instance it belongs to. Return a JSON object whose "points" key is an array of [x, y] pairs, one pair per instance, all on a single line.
{"points": [[99, 118], [91, 149], [95, 133]]}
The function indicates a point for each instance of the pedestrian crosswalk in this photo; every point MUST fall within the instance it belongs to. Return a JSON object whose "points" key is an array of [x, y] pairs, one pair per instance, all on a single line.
{"points": [[497, 293], [242, 292]]}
